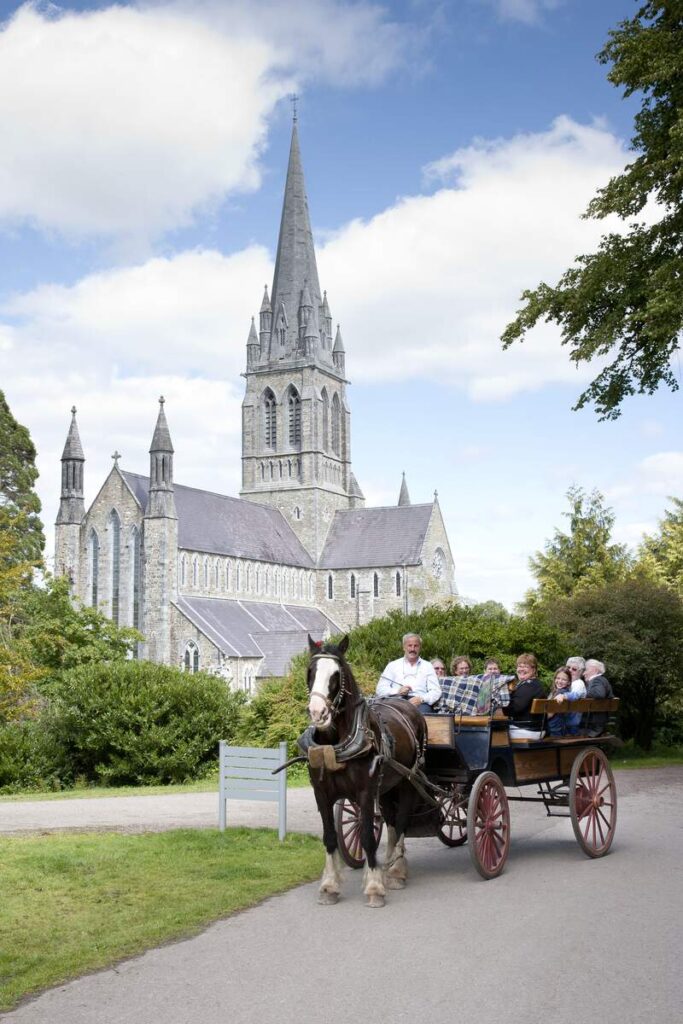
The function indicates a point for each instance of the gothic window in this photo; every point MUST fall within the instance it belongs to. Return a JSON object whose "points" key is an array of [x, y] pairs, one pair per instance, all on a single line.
{"points": [[438, 564], [326, 420], [302, 584], [311, 587], [195, 572], [191, 657], [295, 583], [352, 586], [285, 583], [206, 574], [336, 425], [238, 576], [228, 575], [294, 413], [135, 576], [115, 553], [276, 581], [215, 574], [257, 580], [266, 580], [94, 547], [297, 512], [375, 585], [248, 580], [269, 421], [330, 587], [398, 584], [183, 570]]}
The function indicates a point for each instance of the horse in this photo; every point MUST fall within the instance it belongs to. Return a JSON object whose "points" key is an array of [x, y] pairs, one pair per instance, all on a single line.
{"points": [[366, 751]]}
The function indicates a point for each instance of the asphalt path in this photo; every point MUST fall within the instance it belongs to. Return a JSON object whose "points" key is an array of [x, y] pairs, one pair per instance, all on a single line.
{"points": [[558, 938]]}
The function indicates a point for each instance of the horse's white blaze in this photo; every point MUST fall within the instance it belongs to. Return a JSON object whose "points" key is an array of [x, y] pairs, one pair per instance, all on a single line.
{"points": [[320, 691]]}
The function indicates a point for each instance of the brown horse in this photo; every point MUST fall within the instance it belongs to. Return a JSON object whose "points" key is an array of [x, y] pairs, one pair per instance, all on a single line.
{"points": [[365, 750]]}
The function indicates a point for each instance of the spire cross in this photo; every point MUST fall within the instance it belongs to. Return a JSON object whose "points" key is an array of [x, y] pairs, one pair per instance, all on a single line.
{"points": [[161, 399], [116, 456], [73, 410], [294, 99]]}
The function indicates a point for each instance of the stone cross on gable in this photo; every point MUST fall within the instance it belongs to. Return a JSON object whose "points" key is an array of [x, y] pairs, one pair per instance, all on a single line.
{"points": [[116, 456]]}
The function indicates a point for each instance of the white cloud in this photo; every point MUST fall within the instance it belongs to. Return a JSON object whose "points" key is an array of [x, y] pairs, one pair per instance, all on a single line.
{"points": [[433, 280], [529, 12], [125, 121]]}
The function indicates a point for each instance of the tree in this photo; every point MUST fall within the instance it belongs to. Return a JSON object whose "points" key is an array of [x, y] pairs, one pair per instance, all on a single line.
{"points": [[625, 301], [18, 498], [661, 554], [635, 626], [581, 558], [18, 673]]}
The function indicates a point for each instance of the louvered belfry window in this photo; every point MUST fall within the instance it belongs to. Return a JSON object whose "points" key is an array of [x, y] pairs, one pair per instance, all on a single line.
{"points": [[294, 406], [269, 419]]}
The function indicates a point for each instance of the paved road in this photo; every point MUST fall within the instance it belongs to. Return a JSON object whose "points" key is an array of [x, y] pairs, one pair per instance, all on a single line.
{"points": [[556, 939]]}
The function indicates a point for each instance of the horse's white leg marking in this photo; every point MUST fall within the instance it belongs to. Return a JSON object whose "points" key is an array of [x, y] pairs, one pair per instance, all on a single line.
{"points": [[374, 887], [330, 883], [320, 693], [391, 844], [396, 866]]}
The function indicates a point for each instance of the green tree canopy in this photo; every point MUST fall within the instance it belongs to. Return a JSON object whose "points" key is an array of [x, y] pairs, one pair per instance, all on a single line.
{"points": [[18, 499], [635, 626], [624, 303], [583, 557], [661, 553]]}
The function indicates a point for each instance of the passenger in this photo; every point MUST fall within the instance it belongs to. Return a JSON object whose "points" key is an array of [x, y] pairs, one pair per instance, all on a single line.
{"points": [[439, 668], [493, 691], [461, 666], [598, 687], [411, 677], [576, 668], [466, 694], [558, 724], [524, 725]]}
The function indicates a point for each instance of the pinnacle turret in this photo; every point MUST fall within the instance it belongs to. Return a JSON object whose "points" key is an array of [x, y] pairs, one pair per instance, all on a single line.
{"points": [[404, 497], [160, 501], [71, 507], [338, 353], [253, 346]]}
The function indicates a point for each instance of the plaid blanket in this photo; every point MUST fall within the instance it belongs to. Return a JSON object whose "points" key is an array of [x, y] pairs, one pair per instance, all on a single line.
{"points": [[474, 695]]}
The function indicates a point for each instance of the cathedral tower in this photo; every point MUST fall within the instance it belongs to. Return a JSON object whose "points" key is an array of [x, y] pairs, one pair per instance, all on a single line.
{"points": [[71, 507], [296, 424], [160, 546]]}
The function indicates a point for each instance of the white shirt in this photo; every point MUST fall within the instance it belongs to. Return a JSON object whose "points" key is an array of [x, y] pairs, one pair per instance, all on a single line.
{"points": [[420, 677], [578, 686]]}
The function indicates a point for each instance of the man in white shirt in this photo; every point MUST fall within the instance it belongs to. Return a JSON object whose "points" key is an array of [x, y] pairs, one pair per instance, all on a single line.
{"points": [[411, 677]]}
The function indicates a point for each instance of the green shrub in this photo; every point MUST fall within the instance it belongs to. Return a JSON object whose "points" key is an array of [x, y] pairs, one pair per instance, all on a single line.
{"points": [[137, 723], [28, 757]]}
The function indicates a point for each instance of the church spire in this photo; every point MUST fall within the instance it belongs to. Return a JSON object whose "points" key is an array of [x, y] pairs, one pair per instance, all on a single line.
{"points": [[295, 264], [404, 497], [160, 501], [71, 507]]}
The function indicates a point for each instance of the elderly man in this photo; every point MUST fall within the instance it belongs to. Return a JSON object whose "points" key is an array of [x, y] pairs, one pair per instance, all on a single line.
{"points": [[411, 677]]}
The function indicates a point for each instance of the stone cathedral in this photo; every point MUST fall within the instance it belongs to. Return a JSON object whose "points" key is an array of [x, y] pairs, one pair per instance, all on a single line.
{"points": [[233, 585]]}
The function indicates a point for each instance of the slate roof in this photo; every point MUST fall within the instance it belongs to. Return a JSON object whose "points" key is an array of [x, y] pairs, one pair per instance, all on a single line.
{"points": [[221, 525], [250, 629], [372, 537]]}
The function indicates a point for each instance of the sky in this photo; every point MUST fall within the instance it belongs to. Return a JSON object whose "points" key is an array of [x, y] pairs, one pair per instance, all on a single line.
{"points": [[449, 150]]}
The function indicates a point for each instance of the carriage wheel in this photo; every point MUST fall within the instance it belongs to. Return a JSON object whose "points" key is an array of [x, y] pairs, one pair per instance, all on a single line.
{"points": [[593, 802], [488, 825], [347, 825], [453, 826]]}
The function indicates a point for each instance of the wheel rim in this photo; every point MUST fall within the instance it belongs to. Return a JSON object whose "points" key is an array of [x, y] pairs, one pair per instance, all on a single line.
{"points": [[593, 802], [488, 821], [348, 828]]}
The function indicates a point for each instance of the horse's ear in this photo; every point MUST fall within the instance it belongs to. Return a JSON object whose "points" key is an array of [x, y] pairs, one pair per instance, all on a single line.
{"points": [[313, 645], [344, 644]]}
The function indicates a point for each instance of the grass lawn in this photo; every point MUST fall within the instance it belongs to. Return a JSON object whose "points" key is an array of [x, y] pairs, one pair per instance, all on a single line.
{"points": [[659, 757], [75, 903]]}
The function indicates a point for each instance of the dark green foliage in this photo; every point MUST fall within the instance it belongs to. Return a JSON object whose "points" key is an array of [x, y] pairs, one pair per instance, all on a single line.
{"points": [[625, 302], [135, 723], [18, 498], [635, 626], [28, 757], [278, 711]]}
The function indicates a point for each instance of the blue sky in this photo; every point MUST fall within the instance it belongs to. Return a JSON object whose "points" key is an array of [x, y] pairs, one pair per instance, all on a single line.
{"points": [[449, 149]]}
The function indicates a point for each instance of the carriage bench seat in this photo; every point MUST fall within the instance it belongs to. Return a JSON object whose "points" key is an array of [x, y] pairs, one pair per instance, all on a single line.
{"points": [[609, 705]]}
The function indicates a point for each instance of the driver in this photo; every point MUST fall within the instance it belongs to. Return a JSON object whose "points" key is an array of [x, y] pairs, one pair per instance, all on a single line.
{"points": [[411, 677]]}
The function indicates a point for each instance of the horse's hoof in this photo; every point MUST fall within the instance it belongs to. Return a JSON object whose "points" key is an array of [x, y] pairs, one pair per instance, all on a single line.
{"points": [[328, 899], [375, 901], [391, 882]]}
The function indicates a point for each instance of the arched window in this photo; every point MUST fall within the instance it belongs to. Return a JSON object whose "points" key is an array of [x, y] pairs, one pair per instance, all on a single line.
{"points": [[330, 587], [206, 573], [269, 421], [266, 579], [191, 657], [183, 570], [276, 581], [336, 425], [238, 576], [228, 574], [285, 582], [297, 512], [257, 579], [248, 578], [115, 555], [215, 573], [326, 420], [398, 584], [311, 587], [294, 413], [135, 576], [195, 572], [438, 564], [375, 585], [352, 586], [302, 584], [94, 568]]}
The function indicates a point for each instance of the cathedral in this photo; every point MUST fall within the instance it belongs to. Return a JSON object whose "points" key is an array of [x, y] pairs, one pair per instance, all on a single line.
{"points": [[233, 585]]}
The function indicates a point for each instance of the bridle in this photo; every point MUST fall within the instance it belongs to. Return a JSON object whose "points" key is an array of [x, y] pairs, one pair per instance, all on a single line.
{"points": [[333, 706]]}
